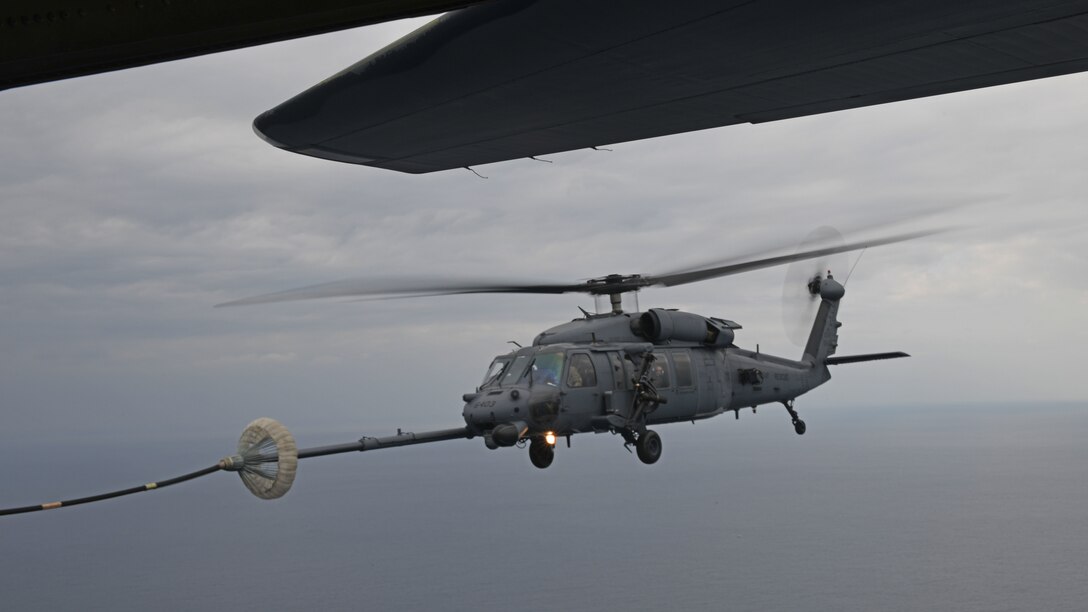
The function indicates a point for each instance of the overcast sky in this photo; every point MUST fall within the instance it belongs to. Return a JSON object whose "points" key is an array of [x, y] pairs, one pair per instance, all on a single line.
{"points": [[134, 201]]}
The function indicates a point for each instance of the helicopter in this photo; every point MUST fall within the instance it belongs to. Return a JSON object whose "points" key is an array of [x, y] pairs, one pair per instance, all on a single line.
{"points": [[614, 372]]}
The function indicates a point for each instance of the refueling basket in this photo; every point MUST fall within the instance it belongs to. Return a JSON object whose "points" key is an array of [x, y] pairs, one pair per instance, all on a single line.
{"points": [[267, 458]]}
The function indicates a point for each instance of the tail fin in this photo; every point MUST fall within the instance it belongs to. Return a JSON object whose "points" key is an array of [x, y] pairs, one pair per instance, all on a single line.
{"points": [[824, 338]]}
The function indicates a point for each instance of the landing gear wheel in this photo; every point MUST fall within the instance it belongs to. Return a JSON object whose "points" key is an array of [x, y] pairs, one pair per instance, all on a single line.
{"points": [[541, 453], [648, 447], [799, 427]]}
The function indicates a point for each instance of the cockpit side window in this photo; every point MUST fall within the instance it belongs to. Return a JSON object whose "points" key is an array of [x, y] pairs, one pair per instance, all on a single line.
{"points": [[581, 373]]}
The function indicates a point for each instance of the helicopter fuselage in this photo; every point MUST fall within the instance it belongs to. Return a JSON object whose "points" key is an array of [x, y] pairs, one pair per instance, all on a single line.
{"points": [[587, 375], [695, 382]]}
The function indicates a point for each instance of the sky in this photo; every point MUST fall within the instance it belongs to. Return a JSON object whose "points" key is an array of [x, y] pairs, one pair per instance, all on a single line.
{"points": [[134, 201]]}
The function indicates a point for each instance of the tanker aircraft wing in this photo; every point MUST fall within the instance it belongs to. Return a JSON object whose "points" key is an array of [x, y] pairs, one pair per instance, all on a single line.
{"points": [[44, 40], [509, 79]]}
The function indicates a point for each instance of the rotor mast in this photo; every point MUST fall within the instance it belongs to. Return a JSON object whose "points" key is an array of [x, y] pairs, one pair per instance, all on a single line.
{"points": [[617, 302], [614, 286]]}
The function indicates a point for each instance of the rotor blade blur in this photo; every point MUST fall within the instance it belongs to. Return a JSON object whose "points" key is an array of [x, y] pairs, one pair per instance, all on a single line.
{"points": [[884, 225], [692, 276], [361, 287], [373, 288]]}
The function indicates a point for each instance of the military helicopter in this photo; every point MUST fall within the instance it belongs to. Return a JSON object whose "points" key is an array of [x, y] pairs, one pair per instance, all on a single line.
{"points": [[613, 372]]}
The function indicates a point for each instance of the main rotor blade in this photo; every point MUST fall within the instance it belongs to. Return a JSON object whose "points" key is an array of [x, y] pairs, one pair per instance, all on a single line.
{"points": [[612, 284], [361, 287], [691, 276]]}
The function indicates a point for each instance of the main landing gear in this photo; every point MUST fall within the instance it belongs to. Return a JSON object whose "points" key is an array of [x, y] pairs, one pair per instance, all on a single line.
{"points": [[541, 453], [646, 441], [798, 424]]}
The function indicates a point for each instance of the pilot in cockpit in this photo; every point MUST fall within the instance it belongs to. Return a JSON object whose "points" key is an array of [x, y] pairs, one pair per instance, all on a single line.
{"points": [[546, 369]]}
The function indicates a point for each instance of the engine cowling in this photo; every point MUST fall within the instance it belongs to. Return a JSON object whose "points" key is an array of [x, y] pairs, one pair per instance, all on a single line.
{"points": [[661, 325]]}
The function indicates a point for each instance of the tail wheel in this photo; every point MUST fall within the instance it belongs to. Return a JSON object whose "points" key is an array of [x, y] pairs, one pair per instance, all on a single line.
{"points": [[649, 447], [541, 453]]}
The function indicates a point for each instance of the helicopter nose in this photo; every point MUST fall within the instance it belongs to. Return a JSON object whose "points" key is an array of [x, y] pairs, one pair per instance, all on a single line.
{"points": [[495, 407]]}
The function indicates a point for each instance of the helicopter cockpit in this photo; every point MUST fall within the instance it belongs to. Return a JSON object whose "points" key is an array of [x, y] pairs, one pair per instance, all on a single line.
{"points": [[532, 367], [519, 389]]}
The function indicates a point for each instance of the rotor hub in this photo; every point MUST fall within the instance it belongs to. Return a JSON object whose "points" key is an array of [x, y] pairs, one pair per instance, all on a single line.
{"points": [[614, 284]]}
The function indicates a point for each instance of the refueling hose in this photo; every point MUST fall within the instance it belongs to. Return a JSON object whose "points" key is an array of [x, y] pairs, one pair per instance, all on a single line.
{"points": [[266, 461], [93, 498]]}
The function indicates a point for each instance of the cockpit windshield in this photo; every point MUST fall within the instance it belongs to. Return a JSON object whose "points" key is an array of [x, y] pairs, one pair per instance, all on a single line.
{"points": [[495, 371], [516, 369], [546, 369]]}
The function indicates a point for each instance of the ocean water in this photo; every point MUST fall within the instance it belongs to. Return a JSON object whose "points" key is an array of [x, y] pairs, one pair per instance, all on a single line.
{"points": [[884, 508]]}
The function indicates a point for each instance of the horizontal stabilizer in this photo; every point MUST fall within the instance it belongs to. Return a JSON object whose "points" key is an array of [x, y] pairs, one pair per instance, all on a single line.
{"points": [[859, 358]]}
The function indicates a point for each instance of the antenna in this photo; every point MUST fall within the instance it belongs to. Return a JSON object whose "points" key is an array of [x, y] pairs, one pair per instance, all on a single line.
{"points": [[851, 272]]}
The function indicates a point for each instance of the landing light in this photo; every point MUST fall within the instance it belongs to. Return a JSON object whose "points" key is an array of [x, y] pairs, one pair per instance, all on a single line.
{"points": [[550, 438]]}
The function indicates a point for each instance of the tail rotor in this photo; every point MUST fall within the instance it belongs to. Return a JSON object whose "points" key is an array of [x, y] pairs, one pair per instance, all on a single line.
{"points": [[801, 290]]}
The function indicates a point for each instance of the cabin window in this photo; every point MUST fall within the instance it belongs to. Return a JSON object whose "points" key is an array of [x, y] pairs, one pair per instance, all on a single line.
{"points": [[581, 372], [659, 373], [682, 363]]}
